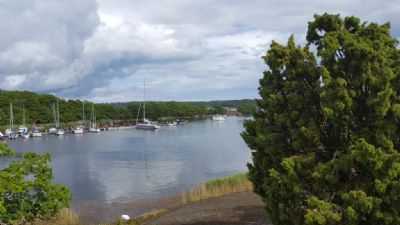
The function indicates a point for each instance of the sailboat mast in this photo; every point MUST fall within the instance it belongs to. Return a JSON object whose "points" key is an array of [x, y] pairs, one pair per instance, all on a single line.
{"points": [[58, 116], [144, 99], [23, 117], [11, 117], [83, 113]]}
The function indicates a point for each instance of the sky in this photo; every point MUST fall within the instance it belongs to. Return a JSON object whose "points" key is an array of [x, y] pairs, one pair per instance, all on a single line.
{"points": [[103, 50]]}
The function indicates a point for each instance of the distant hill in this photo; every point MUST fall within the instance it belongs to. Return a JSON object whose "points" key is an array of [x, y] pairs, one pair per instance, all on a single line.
{"points": [[38, 108]]}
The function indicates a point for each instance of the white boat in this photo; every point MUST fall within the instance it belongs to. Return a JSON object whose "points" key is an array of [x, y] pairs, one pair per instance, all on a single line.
{"points": [[25, 135], [52, 130], [77, 130], [11, 134], [146, 124], [93, 125], [36, 132], [1, 135], [60, 131], [219, 117], [22, 129], [171, 124]]}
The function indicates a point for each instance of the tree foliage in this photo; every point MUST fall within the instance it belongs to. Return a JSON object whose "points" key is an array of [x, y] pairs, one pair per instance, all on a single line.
{"points": [[26, 191], [326, 137]]}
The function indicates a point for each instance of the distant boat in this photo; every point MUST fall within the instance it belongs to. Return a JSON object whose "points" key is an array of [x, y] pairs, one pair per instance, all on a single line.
{"points": [[219, 117], [171, 124], [181, 122], [11, 134], [53, 129], [59, 131], [78, 130], [146, 124], [36, 132], [23, 129], [93, 125], [1, 135]]}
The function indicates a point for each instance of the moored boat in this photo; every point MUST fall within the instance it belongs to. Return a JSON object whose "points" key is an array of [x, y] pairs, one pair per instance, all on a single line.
{"points": [[219, 117], [146, 124]]}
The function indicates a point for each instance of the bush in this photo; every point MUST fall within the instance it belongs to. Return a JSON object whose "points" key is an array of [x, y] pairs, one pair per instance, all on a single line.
{"points": [[26, 192]]}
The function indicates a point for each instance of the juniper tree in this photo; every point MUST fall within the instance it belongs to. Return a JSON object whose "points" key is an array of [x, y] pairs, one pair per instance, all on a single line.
{"points": [[325, 140]]}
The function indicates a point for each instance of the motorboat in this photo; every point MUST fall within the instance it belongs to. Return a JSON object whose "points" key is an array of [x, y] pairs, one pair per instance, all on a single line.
{"points": [[60, 131], [22, 130], [36, 132], [77, 130], [52, 130], [219, 117]]}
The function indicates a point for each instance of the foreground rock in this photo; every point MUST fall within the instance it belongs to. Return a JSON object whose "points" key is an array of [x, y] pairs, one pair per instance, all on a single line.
{"points": [[234, 209]]}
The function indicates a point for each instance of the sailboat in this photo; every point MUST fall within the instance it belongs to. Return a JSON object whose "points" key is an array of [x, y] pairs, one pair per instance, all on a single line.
{"points": [[93, 125], [79, 129], [23, 130], [146, 124], [10, 132], [59, 131], [53, 129]]}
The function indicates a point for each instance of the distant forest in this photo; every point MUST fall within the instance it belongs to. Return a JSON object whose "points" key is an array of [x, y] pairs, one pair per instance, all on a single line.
{"points": [[38, 108]]}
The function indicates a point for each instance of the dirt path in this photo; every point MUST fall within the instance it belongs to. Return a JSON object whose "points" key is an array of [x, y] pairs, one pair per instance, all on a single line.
{"points": [[240, 208]]}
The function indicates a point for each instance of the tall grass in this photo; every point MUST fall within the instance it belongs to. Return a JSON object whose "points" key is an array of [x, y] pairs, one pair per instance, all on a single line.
{"points": [[218, 187], [64, 217]]}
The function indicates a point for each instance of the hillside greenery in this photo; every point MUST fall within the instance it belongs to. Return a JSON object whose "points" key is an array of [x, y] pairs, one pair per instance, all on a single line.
{"points": [[38, 108]]}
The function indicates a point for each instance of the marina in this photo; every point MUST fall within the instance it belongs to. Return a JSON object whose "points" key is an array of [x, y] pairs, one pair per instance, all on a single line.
{"points": [[128, 164]]}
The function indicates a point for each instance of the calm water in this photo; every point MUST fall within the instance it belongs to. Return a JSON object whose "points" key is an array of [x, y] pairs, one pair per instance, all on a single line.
{"points": [[133, 164]]}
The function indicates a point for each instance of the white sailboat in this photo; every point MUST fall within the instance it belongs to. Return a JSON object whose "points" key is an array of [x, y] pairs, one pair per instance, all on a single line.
{"points": [[79, 129], [146, 124], [93, 125], [59, 131], [10, 132], [23, 130], [53, 129]]}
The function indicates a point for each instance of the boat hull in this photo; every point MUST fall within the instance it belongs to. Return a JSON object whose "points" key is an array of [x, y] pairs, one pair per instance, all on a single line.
{"points": [[147, 126]]}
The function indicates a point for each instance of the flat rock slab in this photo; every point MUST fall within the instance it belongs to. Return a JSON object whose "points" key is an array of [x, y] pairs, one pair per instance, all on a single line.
{"points": [[234, 209]]}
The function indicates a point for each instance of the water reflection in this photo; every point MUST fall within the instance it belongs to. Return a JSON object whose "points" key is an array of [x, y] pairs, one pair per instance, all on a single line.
{"points": [[130, 164]]}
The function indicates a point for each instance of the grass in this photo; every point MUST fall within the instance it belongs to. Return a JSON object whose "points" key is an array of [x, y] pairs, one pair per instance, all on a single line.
{"points": [[213, 188], [218, 187], [64, 217]]}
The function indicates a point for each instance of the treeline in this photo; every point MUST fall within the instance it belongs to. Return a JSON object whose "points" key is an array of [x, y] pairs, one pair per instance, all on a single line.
{"points": [[38, 108]]}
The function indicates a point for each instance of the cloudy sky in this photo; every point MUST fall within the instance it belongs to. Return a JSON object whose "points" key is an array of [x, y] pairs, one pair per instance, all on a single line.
{"points": [[187, 50]]}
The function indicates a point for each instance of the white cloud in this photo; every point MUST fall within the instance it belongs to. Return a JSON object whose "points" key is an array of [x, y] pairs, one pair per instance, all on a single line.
{"points": [[14, 80], [187, 49]]}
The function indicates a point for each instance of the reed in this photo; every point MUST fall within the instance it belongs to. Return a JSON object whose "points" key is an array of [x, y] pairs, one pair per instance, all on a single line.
{"points": [[218, 187], [64, 217]]}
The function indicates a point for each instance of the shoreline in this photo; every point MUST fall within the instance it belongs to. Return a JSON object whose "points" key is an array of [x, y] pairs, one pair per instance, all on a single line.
{"points": [[143, 209]]}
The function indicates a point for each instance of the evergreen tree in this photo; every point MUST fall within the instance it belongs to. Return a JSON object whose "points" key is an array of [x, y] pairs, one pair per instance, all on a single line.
{"points": [[325, 139]]}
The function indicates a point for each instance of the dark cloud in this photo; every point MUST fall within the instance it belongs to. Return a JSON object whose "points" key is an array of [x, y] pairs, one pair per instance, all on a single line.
{"points": [[208, 49]]}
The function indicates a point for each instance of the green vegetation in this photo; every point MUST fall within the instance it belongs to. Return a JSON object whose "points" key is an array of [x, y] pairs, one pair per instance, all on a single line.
{"points": [[26, 191], [218, 187], [326, 139], [38, 109], [247, 108]]}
